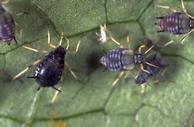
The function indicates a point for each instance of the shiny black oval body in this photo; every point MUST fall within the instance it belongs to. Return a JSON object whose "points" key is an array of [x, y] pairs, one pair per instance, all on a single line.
{"points": [[49, 71], [121, 59], [7, 26], [175, 23], [143, 76]]}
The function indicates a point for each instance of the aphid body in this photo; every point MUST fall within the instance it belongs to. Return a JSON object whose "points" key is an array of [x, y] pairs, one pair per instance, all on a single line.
{"points": [[121, 59], [49, 70], [176, 23], [154, 67], [7, 26]]}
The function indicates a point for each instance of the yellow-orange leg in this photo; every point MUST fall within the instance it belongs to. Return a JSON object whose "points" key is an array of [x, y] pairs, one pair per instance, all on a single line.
{"points": [[119, 76], [142, 88], [25, 70], [166, 7], [186, 36]]}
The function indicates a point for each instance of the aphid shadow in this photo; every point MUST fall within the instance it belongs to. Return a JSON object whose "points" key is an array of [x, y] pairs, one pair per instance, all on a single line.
{"points": [[5, 76], [93, 61]]}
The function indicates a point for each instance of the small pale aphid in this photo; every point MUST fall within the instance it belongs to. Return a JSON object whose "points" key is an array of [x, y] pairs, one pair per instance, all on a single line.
{"points": [[103, 35]]}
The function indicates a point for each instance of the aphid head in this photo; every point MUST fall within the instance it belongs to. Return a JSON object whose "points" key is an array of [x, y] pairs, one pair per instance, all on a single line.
{"points": [[138, 58], [60, 51], [104, 60]]}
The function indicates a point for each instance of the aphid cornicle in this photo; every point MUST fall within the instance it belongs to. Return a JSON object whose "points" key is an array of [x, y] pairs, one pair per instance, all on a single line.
{"points": [[155, 67], [49, 70], [7, 26]]}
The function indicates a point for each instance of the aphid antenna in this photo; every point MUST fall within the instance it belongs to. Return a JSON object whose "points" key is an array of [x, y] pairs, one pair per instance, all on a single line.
{"points": [[61, 40], [119, 76], [49, 41]]}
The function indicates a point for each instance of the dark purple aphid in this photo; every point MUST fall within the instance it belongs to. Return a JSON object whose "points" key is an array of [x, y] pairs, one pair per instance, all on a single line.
{"points": [[121, 59], [154, 67], [7, 26], [176, 23], [49, 70]]}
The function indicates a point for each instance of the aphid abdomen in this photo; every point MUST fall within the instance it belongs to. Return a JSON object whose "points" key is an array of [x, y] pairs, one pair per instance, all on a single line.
{"points": [[49, 71], [175, 23], [141, 78], [154, 67], [7, 26], [117, 59]]}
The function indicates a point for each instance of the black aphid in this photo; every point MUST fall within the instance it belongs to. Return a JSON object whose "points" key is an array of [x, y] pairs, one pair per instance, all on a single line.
{"points": [[49, 70]]}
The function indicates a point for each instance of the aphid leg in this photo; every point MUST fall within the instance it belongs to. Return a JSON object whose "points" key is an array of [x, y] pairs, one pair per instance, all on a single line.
{"points": [[166, 7], [25, 70], [143, 46], [186, 36], [120, 75], [35, 50], [168, 43], [71, 71], [15, 41], [185, 10], [128, 42], [55, 95], [142, 88], [4, 1], [142, 68], [59, 89], [115, 41], [151, 65]]}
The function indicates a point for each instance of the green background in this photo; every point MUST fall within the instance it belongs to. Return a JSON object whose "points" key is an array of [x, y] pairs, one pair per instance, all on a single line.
{"points": [[91, 101]]}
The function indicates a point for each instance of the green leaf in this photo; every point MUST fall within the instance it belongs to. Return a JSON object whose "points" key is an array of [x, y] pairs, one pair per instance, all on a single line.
{"points": [[91, 101]]}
